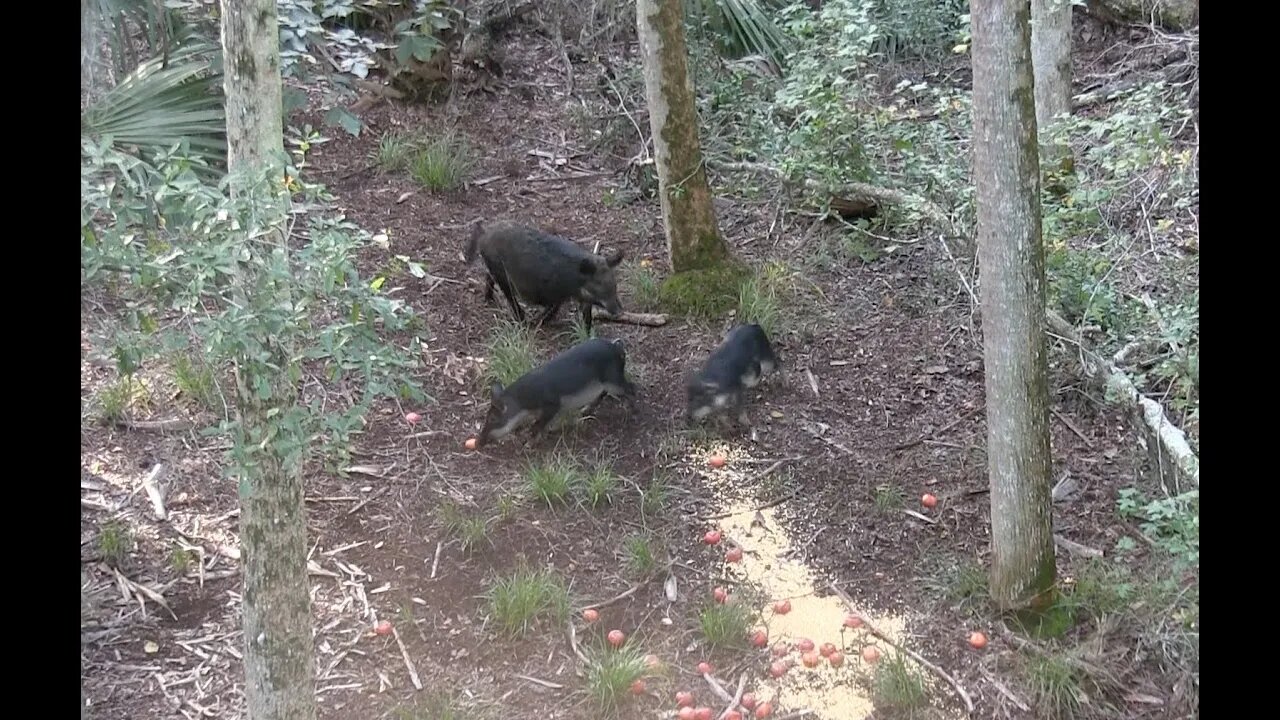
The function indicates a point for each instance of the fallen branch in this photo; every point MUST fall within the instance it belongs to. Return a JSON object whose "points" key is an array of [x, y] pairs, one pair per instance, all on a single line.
{"points": [[166, 425], [150, 483], [630, 318], [1164, 439], [968, 701], [717, 688], [737, 696], [1076, 548], [856, 189], [573, 643], [623, 595], [408, 661], [1004, 690]]}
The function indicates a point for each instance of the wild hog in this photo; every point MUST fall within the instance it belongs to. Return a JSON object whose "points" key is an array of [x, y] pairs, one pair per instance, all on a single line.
{"points": [[543, 269]]}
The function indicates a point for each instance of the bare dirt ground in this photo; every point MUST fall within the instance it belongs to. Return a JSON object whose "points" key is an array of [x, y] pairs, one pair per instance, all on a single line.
{"points": [[883, 402]]}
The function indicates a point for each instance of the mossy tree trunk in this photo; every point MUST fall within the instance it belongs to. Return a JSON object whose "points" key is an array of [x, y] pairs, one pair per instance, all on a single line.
{"points": [[688, 215], [279, 656], [1011, 265]]}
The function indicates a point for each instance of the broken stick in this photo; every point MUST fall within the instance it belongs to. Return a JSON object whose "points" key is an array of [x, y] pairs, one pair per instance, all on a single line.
{"points": [[630, 318]]}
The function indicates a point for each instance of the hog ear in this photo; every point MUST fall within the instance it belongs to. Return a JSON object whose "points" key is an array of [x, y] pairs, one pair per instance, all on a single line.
{"points": [[615, 258], [587, 266]]}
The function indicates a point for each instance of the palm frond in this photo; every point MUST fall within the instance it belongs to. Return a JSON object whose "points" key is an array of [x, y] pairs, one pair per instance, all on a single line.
{"points": [[747, 24], [159, 105]]}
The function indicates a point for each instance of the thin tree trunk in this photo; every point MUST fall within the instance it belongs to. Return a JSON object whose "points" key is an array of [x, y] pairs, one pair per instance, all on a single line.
{"points": [[279, 659], [1011, 264], [688, 216], [1051, 58]]}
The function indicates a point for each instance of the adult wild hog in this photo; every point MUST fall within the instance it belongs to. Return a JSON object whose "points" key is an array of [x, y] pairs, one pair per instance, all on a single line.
{"points": [[544, 269]]}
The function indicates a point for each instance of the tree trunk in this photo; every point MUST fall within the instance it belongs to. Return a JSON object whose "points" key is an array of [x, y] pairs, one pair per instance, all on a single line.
{"points": [[688, 216], [1011, 265], [1051, 58], [279, 657]]}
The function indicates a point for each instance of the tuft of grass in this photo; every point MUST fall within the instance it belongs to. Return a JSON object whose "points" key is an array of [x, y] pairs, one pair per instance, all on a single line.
{"points": [[180, 559], [472, 531], [578, 332], [550, 482], [610, 674], [898, 686], [1056, 687], [643, 288], [512, 352], [600, 486], [888, 498], [117, 399], [761, 296], [394, 151], [725, 627], [964, 585], [114, 541], [518, 601], [507, 506], [654, 497], [639, 556], [443, 163], [194, 380], [438, 705]]}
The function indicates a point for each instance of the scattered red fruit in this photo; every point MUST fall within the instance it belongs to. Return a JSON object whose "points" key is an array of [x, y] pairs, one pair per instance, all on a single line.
{"points": [[804, 645], [870, 653], [637, 687], [929, 500], [712, 537], [731, 715], [685, 713], [826, 649], [684, 699], [759, 638], [811, 659], [764, 709], [382, 628], [782, 607], [780, 650], [616, 638], [777, 669], [702, 713], [470, 444], [720, 595], [853, 621], [748, 701], [590, 616], [734, 555], [836, 659], [977, 640], [704, 668], [412, 418], [717, 461]]}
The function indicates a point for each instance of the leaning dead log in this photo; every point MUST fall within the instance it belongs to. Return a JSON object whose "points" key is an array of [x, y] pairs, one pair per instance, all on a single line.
{"points": [[1167, 444]]}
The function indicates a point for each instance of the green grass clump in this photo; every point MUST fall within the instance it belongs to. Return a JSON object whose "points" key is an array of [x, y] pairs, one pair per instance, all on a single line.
{"points": [[899, 687], [444, 163], [610, 674], [512, 352], [725, 626], [551, 481], [517, 602]]}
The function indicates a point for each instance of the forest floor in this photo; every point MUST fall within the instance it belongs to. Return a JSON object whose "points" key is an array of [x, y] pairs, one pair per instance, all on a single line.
{"points": [[882, 403]]}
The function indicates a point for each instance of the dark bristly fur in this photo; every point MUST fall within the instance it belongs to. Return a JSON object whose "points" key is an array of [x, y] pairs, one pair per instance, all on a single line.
{"points": [[544, 269], [576, 378], [739, 363]]}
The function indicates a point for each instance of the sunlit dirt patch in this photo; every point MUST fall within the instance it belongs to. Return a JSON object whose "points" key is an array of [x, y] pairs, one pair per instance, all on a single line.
{"points": [[770, 564]]}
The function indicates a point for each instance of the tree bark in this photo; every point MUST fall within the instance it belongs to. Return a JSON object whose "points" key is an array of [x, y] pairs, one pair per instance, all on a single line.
{"points": [[279, 656], [688, 216], [1051, 58], [1011, 265]]}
